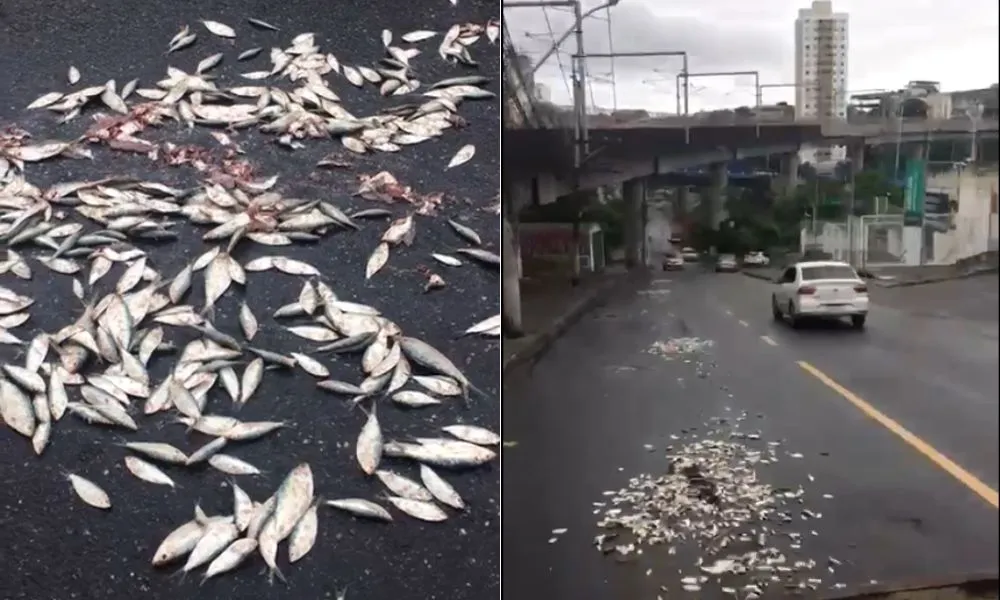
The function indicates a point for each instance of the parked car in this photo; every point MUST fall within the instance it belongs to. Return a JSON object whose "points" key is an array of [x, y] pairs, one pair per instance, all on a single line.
{"points": [[689, 254], [673, 262], [756, 259], [820, 290], [727, 263]]}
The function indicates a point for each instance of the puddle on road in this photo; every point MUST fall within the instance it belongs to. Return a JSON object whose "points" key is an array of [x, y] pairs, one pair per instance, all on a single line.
{"points": [[745, 537]]}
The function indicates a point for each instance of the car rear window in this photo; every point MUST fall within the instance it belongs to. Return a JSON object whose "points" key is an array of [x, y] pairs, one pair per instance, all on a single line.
{"points": [[828, 272]]}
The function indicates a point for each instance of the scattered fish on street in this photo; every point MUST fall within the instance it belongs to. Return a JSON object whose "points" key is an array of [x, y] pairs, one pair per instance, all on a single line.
{"points": [[103, 362]]}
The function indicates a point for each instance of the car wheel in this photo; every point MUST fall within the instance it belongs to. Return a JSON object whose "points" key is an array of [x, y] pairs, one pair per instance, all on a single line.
{"points": [[775, 311], [858, 321], [792, 319]]}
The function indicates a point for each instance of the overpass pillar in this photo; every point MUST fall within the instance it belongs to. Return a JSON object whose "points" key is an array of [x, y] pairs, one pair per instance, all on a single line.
{"points": [[716, 194], [789, 173], [682, 202], [856, 153], [516, 195], [634, 196]]}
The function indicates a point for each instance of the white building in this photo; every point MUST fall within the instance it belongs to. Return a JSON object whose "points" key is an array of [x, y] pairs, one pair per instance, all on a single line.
{"points": [[821, 45]]}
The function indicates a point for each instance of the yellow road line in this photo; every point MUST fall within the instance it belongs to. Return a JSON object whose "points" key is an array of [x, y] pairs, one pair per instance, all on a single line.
{"points": [[744, 323], [768, 340], [946, 464]]}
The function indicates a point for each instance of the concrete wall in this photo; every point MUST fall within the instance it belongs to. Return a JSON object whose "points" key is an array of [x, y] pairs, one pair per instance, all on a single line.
{"points": [[975, 222]]}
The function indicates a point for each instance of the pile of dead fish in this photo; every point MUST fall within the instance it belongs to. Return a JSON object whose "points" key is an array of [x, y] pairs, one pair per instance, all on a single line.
{"points": [[97, 365], [711, 497], [680, 347]]}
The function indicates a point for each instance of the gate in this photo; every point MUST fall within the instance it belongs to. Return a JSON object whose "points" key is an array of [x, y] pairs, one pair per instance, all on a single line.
{"points": [[882, 241]]}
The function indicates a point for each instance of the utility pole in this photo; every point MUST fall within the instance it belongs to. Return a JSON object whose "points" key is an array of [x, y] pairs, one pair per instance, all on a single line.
{"points": [[582, 135], [755, 74], [684, 67], [850, 213]]}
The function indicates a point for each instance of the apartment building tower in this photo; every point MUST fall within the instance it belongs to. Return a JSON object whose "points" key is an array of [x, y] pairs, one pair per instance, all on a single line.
{"points": [[821, 45]]}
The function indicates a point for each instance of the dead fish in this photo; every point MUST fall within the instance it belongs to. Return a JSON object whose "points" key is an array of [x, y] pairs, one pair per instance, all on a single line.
{"points": [[418, 509], [483, 256], [88, 491], [361, 508], [465, 232], [464, 155], [403, 486], [473, 434], [440, 489], [220, 29], [147, 471], [230, 558], [262, 24], [368, 448]]}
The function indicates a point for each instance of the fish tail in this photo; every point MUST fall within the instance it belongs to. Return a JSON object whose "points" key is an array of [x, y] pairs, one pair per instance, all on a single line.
{"points": [[478, 391], [273, 572], [208, 313], [180, 576]]}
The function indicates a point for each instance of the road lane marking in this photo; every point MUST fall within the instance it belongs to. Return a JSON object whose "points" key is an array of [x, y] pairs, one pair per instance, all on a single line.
{"points": [[943, 462], [768, 340], [728, 312], [744, 323]]}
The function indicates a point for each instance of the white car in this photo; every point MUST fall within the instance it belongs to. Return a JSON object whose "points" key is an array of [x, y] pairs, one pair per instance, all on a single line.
{"points": [[756, 259], [820, 290], [689, 254]]}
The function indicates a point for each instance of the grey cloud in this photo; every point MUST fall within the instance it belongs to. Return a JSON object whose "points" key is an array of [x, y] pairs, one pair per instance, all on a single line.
{"points": [[711, 44]]}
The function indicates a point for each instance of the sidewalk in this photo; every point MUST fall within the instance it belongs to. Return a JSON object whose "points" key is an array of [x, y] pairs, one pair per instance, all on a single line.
{"points": [[549, 308]]}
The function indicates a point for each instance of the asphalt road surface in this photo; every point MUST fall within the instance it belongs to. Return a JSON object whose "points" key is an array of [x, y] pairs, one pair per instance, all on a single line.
{"points": [[602, 405], [57, 547]]}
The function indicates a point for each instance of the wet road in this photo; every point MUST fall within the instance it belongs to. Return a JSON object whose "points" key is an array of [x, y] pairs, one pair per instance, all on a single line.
{"points": [[54, 546], [585, 413]]}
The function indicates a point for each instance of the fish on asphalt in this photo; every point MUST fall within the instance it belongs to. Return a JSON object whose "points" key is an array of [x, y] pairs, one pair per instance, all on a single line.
{"points": [[129, 317]]}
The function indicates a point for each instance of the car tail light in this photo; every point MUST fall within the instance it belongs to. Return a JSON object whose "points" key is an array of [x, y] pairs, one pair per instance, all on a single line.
{"points": [[806, 290], [861, 289]]}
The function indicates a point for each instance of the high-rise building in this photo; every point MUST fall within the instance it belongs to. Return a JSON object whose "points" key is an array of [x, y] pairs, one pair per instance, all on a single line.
{"points": [[821, 45]]}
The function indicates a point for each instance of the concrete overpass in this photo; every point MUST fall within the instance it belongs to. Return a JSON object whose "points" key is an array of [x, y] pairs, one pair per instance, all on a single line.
{"points": [[539, 164]]}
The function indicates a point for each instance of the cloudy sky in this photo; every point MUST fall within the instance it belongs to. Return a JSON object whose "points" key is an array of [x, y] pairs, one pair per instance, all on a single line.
{"points": [[891, 42]]}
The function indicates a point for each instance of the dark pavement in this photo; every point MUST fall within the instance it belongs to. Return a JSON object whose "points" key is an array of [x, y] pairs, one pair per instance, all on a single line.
{"points": [[56, 547], [583, 414]]}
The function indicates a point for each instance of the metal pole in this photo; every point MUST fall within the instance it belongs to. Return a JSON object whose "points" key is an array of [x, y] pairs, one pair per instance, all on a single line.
{"points": [[686, 85], [899, 139], [580, 91], [677, 90], [758, 93], [580, 16], [815, 207], [850, 218]]}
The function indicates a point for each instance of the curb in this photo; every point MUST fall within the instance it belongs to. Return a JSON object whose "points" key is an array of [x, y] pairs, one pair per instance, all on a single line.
{"points": [[540, 342], [940, 279]]}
